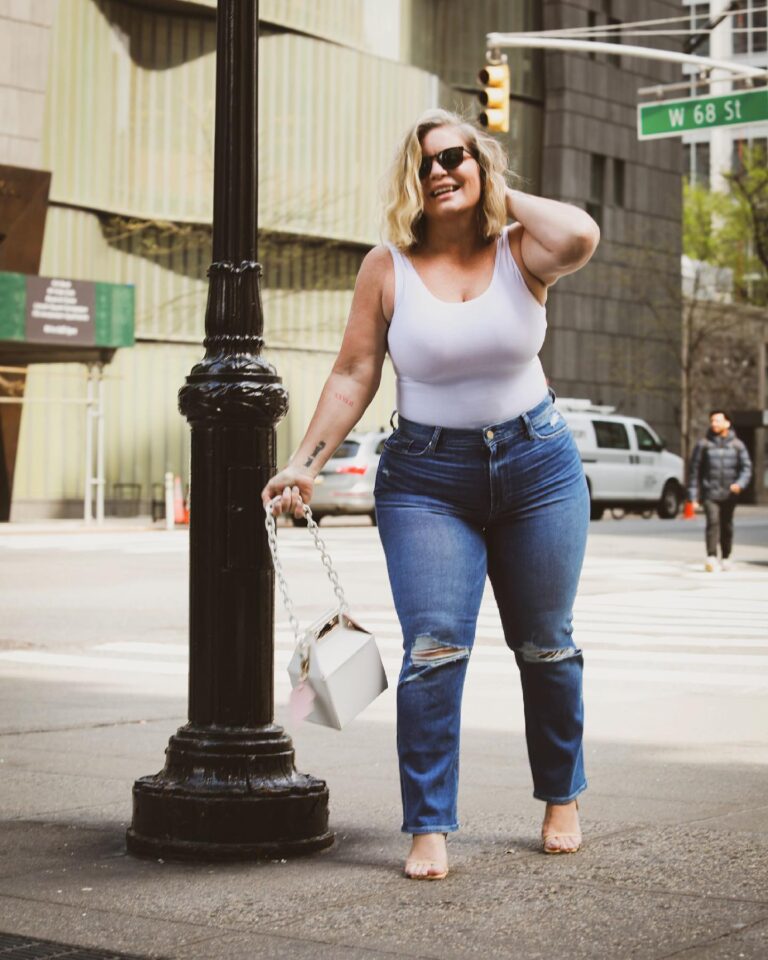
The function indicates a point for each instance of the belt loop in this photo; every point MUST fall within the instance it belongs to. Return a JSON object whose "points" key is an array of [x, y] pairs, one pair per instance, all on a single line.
{"points": [[552, 393], [528, 426], [392, 418], [435, 437]]}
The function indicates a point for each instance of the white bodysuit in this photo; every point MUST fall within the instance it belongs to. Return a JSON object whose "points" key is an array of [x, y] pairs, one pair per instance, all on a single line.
{"points": [[467, 364]]}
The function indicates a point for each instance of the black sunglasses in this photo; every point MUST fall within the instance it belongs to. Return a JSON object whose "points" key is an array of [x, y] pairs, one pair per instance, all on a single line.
{"points": [[449, 159]]}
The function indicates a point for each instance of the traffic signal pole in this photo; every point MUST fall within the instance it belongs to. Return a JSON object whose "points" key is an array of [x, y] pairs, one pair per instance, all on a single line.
{"points": [[229, 789], [738, 71], [672, 119], [494, 97]]}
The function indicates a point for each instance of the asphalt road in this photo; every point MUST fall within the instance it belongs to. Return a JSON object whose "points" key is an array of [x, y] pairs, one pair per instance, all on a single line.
{"points": [[673, 647]]}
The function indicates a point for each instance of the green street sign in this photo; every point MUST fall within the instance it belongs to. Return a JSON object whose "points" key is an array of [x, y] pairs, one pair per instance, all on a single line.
{"points": [[670, 118], [59, 312]]}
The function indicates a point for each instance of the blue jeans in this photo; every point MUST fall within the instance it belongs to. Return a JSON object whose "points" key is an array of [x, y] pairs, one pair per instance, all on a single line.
{"points": [[509, 500]]}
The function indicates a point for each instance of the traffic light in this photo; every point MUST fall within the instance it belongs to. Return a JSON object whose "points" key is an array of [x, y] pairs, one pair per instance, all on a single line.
{"points": [[495, 96]]}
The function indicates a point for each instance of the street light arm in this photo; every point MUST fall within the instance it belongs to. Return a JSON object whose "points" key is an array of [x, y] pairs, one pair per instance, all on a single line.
{"points": [[497, 41]]}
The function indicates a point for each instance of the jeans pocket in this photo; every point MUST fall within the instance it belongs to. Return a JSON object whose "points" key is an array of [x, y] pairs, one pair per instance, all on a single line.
{"points": [[550, 425], [397, 442]]}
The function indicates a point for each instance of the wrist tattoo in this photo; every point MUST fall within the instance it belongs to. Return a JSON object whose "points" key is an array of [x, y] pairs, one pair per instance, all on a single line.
{"points": [[340, 396], [314, 453]]}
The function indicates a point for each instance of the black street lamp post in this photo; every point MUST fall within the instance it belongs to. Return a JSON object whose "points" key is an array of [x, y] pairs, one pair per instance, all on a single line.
{"points": [[229, 788]]}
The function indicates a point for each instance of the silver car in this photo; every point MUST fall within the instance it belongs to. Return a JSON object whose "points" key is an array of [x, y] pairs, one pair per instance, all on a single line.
{"points": [[345, 484]]}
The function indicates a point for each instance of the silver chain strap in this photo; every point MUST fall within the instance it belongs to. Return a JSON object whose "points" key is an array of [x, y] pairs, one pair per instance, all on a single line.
{"points": [[269, 522]]}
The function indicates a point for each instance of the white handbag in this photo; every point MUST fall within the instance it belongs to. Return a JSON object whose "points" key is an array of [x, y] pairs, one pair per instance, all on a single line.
{"points": [[336, 668]]}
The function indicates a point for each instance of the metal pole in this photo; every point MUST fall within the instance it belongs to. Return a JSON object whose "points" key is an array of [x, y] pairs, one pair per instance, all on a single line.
{"points": [[229, 788], [169, 520], [536, 41], [88, 485], [100, 476]]}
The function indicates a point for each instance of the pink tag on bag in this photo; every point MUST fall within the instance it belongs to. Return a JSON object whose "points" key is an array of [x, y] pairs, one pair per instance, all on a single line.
{"points": [[301, 702]]}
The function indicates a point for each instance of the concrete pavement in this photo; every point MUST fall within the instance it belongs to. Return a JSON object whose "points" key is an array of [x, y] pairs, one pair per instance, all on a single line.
{"points": [[675, 862]]}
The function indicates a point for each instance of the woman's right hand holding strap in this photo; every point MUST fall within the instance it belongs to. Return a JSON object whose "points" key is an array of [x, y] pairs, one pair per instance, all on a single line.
{"points": [[291, 485]]}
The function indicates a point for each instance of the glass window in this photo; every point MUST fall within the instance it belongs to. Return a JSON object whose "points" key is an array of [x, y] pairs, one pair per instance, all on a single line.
{"points": [[645, 441], [701, 158], [597, 21], [749, 27], [739, 146], [760, 29], [596, 188], [611, 435], [591, 22], [614, 37], [596, 178], [595, 210], [618, 182], [347, 449], [740, 28], [696, 162], [737, 152], [699, 20]]}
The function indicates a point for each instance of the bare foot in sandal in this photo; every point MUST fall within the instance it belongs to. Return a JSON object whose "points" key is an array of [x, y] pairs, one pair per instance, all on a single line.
{"points": [[560, 832], [428, 857]]}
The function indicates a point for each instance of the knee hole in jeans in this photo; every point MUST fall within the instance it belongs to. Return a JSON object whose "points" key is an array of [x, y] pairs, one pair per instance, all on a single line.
{"points": [[533, 654], [428, 651]]}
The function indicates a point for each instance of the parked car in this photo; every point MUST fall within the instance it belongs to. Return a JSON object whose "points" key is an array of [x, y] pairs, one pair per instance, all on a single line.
{"points": [[345, 484], [625, 461]]}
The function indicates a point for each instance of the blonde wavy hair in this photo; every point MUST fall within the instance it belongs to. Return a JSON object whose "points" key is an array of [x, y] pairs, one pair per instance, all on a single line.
{"points": [[403, 199]]}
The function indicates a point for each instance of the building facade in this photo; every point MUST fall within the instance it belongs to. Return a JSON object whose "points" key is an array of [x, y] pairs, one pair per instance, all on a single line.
{"points": [[121, 113], [615, 326], [740, 38], [740, 35]]}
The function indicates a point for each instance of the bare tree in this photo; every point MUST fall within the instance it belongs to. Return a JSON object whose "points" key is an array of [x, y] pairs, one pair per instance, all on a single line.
{"points": [[749, 188], [705, 321], [710, 348]]}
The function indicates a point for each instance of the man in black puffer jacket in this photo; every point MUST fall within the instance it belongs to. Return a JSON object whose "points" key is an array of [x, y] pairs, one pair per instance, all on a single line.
{"points": [[720, 469]]}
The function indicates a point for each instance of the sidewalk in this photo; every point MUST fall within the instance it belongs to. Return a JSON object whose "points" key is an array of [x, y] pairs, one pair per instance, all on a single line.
{"points": [[145, 522], [675, 861]]}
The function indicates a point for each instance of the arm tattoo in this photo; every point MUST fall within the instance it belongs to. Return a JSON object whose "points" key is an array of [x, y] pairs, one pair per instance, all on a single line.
{"points": [[315, 452], [340, 396]]}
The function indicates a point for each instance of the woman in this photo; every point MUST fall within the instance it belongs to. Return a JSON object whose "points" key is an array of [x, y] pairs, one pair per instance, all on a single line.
{"points": [[481, 475]]}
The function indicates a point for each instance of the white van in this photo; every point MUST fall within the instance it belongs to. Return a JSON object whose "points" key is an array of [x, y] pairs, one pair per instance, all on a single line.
{"points": [[624, 460]]}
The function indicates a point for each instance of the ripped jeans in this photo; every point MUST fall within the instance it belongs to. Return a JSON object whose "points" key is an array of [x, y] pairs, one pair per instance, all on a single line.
{"points": [[508, 500]]}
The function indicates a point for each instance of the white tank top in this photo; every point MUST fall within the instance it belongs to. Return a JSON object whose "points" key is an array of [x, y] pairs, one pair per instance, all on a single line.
{"points": [[467, 364]]}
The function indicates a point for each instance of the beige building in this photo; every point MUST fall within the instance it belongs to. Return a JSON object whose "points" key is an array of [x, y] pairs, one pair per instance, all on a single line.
{"points": [[116, 99]]}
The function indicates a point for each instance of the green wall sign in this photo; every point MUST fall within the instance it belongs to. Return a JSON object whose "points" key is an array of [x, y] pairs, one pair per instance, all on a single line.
{"points": [[55, 310], [670, 118]]}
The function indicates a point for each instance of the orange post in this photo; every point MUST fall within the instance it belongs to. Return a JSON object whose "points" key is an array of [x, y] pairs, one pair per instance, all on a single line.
{"points": [[180, 513], [688, 512]]}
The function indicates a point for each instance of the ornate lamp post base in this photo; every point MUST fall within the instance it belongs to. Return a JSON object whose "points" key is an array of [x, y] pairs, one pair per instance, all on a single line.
{"points": [[228, 794], [229, 789]]}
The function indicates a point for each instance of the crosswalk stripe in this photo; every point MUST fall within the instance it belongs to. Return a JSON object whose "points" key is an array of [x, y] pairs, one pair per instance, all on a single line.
{"points": [[84, 662], [617, 628], [675, 629], [585, 638], [747, 681], [488, 664], [145, 647], [502, 654]]}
